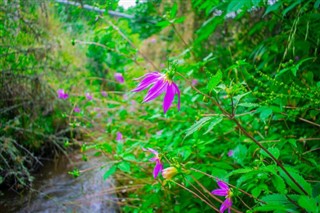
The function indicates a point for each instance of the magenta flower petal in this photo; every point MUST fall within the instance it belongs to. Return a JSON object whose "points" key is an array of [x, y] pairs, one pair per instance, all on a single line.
{"points": [[223, 185], [161, 84], [153, 151], [156, 90], [226, 205], [157, 169], [220, 192], [146, 83], [168, 98]]}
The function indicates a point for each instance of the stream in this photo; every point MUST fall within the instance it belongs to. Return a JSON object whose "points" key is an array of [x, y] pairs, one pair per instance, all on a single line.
{"points": [[54, 190]]}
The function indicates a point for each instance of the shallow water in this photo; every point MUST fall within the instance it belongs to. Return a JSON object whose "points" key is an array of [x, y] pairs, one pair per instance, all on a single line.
{"points": [[54, 190]]}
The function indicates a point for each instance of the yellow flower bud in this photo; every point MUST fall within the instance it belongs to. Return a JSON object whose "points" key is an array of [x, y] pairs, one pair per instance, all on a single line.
{"points": [[169, 172]]}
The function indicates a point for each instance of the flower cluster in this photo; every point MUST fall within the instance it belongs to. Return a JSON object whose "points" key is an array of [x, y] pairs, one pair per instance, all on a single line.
{"points": [[161, 84], [226, 192]]}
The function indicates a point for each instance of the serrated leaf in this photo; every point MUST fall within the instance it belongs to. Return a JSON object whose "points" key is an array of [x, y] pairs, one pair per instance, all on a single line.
{"points": [[124, 166], [279, 184], [308, 203], [299, 179], [214, 81], [110, 172], [197, 125], [258, 189], [270, 207], [275, 199], [213, 123]]}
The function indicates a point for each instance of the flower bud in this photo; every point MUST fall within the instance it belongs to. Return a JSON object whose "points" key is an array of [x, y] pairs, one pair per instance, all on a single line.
{"points": [[169, 172]]}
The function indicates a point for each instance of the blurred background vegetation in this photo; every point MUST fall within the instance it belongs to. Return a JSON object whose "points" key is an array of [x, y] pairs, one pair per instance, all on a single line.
{"points": [[258, 60]]}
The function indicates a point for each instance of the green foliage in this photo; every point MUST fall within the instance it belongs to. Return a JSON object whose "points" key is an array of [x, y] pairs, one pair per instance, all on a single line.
{"points": [[249, 83]]}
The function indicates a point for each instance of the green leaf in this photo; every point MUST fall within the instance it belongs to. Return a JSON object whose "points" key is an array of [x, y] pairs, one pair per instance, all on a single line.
{"points": [[279, 184], [265, 112], [249, 105], [240, 171], [236, 5], [129, 157], [258, 189], [299, 179], [213, 123], [207, 28], [275, 199], [270, 207], [255, 3], [110, 172], [316, 4], [238, 98], [124, 166], [163, 24], [197, 125], [273, 150], [214, 81], [174, 10], [273, 7], [290, 7], [309, 204]]}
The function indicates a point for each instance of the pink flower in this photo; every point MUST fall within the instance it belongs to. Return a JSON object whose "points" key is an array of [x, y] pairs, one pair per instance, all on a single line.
{"points": [[226, 192], [76, 109], [62, 94], [119, 77], [104, 93], [161, 84], [89, 96], [119, 136], [159, 166], [230, 153]]}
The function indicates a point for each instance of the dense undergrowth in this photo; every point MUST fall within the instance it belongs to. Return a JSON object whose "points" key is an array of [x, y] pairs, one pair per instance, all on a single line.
{"points": [[248, 77]]}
